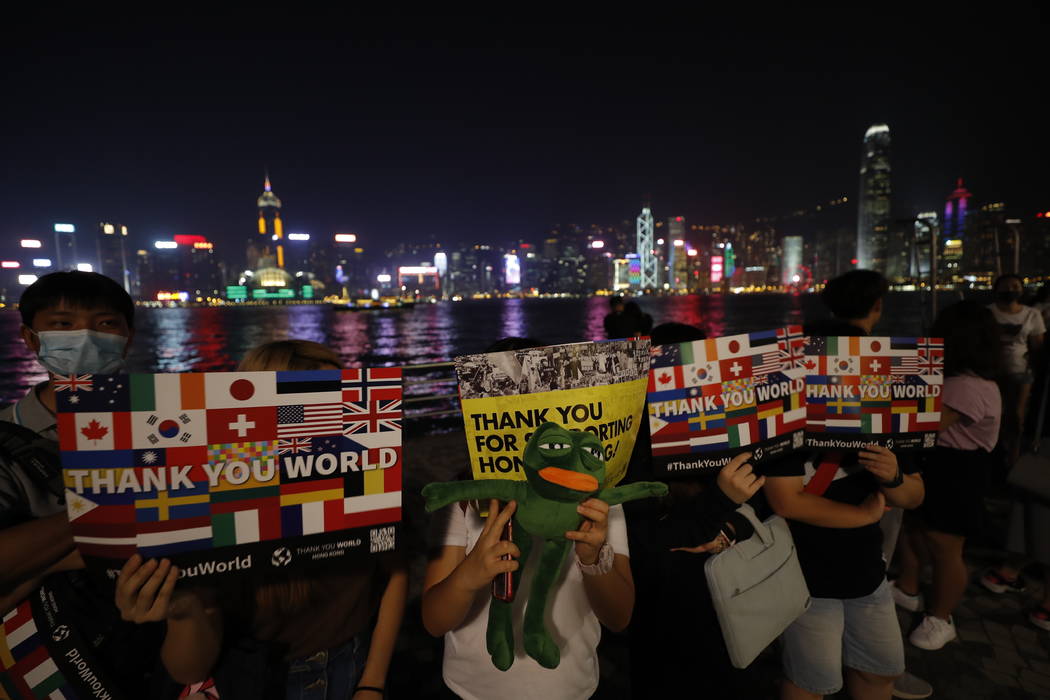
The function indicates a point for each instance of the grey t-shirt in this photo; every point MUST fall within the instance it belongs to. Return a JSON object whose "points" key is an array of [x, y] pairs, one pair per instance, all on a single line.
{"points": [[21, 498]]}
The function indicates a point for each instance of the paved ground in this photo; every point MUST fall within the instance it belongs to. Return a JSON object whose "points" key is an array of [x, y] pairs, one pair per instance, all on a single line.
{"points": [[999, 656]]}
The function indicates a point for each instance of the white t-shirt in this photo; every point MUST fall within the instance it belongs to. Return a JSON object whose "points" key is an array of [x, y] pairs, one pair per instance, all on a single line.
{"points": [[468, 668], [1015, 330], [978, 403]]}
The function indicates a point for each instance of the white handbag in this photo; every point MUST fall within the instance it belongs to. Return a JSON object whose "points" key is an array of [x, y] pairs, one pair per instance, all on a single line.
{"points": [[757, 588]]}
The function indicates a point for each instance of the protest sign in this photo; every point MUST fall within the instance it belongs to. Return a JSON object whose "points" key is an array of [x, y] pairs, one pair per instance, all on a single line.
{"points": [[873, 390], [710, 400], [233, 471], [597, 387]]}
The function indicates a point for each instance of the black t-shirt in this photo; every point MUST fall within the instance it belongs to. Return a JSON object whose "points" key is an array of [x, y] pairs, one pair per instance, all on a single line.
{"points": [[838, 562]]}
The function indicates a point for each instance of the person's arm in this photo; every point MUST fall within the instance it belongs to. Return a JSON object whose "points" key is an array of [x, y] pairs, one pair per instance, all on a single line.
{"points": [[788, 499], [384, 635], [611, 594], [146, 593], [454, 577], [33, 549], [1035, 343], [901, 490]]}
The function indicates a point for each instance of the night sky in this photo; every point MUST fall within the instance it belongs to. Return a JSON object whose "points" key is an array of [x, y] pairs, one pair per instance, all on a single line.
{"points": [[489, 128]]}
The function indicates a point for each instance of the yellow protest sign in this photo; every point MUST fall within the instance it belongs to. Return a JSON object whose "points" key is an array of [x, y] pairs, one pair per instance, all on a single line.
{"points": [[596, 387]]}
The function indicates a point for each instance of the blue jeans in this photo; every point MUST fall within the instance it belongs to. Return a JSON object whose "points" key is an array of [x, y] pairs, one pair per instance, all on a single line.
{"points": [[327, 675], [860, 633]]}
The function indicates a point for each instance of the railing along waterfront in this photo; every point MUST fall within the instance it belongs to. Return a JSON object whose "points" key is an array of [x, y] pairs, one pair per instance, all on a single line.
{"points": [[430, 391]]}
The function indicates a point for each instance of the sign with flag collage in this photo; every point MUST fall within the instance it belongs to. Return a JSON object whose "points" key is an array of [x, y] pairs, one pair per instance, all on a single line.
{"points": [[771, 392], [232, 471]]}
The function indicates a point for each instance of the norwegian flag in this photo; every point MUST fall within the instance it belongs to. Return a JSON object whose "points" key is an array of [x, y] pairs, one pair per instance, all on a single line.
{"points": [[362, 386], [309, 420], [378, 416], [294, 446], [73, 383]]}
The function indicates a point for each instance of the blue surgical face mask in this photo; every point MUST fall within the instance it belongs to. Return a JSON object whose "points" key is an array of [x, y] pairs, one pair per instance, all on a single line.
{"points": [[81, 352]]}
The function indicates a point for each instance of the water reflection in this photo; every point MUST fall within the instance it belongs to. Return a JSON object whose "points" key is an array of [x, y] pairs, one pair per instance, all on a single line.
{"points": [[213, 339]]}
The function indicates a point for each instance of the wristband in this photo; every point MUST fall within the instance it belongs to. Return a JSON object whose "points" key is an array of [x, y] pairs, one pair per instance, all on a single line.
{"points": [[604, 564], [895, 482]]}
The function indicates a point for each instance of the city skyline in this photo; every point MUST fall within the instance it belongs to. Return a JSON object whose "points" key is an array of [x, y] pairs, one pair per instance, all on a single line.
{"points": [[482, 131]]}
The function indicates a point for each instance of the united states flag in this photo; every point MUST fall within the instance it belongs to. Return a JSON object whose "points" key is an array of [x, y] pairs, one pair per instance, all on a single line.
{"points": [[909, 364], [765, 363], [309, 421]]}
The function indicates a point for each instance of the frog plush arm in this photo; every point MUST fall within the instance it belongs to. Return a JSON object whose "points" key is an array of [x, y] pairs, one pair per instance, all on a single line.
{"points": [[632, 492], [440, 494]]}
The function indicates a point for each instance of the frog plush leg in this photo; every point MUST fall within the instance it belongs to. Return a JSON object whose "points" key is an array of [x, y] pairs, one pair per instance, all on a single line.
{"points": [[440, 494], [632, 492], [538, 642], [499, 636]]}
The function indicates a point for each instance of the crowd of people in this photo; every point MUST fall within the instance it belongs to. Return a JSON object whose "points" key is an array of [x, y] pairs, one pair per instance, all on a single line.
{"points": [[637, 567]]}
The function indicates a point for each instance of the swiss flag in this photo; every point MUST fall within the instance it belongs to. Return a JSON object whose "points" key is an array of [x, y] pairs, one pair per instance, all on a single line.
{"points": [[735, 368], [875, 365], [228, 425]]}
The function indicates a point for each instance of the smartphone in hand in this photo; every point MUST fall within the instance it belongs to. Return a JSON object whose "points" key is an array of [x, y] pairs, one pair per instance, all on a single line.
{"points": [[503, 584]]}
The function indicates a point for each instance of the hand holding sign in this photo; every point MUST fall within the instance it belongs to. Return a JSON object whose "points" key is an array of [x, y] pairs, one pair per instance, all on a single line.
{"points": [[144, 590], [880, 461], [738, 481]]}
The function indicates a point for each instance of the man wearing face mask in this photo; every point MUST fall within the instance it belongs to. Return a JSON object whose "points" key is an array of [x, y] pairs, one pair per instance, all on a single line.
{"points": [[76, 323]]}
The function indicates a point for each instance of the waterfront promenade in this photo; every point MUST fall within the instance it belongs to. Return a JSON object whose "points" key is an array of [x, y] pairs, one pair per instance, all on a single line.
{"points": [[999, 655]]}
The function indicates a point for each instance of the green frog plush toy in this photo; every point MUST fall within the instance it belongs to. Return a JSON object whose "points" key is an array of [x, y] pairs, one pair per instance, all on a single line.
{"points": [[562, 468]]}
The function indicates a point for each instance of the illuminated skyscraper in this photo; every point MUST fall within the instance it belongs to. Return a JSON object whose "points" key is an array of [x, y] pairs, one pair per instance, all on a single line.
{"points": [[873, 222], [270, 226], [646, 249], [954, 229], [112, 254]]}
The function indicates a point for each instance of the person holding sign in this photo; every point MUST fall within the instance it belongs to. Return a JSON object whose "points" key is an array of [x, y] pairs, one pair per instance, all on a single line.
{"points": [[833, 502], [76, 324], [317, 624], [957, 472]]}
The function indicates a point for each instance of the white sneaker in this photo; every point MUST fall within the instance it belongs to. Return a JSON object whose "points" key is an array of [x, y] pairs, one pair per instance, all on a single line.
{"points": [[913, 603], [933, 633]]}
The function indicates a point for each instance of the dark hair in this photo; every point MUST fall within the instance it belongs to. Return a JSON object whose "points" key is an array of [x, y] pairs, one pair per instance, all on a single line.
{"points": [[513, 343], [674, 332], [852, 295], [971, 340], [615, 300], [1007, 276], [79, 290]]}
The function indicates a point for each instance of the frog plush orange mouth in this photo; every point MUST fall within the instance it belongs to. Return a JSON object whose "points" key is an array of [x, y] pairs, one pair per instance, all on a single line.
{"points": [[569, 479]]}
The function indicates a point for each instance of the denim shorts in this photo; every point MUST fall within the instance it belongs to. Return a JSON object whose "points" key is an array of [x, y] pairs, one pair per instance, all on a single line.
{"points": [[327, 675], [859, 633]]}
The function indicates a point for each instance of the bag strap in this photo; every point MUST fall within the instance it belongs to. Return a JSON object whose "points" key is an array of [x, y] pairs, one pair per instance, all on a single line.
{"points": [[762, 530], [825, 473]]}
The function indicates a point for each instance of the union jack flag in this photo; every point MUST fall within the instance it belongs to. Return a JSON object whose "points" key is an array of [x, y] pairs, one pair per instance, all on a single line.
{"points": [[73, 383], [293, 446], [375, 417]]}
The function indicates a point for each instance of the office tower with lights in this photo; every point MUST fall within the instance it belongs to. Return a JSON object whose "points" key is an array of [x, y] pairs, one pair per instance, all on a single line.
{"points": [[954, 228], [111, 247], [271, 229], [873, 222], [646, 246], [677, 259], [65, 247]]}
